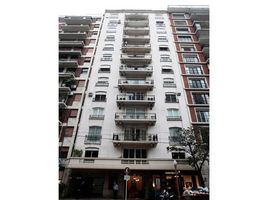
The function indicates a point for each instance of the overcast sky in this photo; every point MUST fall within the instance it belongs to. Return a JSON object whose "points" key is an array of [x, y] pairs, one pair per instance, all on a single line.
{"points": [[83, 7]]}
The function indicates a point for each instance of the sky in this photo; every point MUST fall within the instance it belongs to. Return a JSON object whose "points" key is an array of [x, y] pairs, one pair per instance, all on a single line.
{"points": [[99, 6]]}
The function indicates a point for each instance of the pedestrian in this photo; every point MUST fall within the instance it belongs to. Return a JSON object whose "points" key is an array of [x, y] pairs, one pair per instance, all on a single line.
{"points": [[115, 190]]}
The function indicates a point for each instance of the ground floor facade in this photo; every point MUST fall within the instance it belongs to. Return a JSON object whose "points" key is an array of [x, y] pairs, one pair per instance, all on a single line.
{"points": [[144, 184]]}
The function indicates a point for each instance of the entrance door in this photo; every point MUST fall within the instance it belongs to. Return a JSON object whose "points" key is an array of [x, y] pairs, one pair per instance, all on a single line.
{"points": [[135, 187]]}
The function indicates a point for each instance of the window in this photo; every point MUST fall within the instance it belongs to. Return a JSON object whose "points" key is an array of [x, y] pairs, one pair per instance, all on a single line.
{"points": [[202, 116], [185, 38], [190, 58], [165, 58], [134, 153], [187, 47], [167, 69], [174, 135], [105, 69], [182, 30], [108, 47], [100, 97], [91, 153], [173, 114], [171, 98], [169, 82], [94, 134], [102, 82], [193, 69], [197, 83], [107, 57], [73, 113], [162, 39], [178, 155], [178, 16], [110, 38], [160, 23], [180, 23], [96, 26], [84, 70], [97, 113], [163, 48], [204, 133], [200, 98]]}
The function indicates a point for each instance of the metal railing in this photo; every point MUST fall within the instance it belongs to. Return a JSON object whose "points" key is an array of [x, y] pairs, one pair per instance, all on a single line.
{"points": [[135, 97], [137, 116]]}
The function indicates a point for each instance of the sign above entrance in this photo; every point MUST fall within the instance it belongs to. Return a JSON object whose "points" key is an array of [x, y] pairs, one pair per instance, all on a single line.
{"points": [[127, 170]]}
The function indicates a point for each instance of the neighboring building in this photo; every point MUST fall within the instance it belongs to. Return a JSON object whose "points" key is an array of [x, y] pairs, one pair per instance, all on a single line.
{"points": [[190, 27], [135, 103], [77, 41]]}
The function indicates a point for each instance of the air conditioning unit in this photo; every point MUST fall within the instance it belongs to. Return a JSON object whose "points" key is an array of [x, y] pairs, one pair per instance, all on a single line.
{"points": [[90, 94], [73, 86], [179, 94]]}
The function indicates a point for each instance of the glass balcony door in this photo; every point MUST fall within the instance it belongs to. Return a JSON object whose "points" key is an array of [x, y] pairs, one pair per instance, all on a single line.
{"points": [[135, 134]]}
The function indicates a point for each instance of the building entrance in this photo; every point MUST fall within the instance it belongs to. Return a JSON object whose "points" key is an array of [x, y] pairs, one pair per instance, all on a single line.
{"points": [[135, 187]]}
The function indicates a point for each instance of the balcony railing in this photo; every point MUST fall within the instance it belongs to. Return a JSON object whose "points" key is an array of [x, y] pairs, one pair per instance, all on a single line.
{"points": [[92, 139], [68, 62], [77, 20], [62, 103], [136, 23], [71, 44], [131, 84], [135, 140], [135, 72], [135, 118], [80, 27], [136, 48], [73, 35], [66, 75], [70, 52], [136, 59], [136, 16], [96, 117], [136, 30], [143, 100], [174, 118]]}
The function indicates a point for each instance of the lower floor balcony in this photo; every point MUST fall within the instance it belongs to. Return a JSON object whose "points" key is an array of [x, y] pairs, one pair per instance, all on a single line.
{"points": [[135, 118], [135, 140]]}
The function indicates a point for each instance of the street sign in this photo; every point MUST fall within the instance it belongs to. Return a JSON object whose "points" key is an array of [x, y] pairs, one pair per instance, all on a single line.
{"points": [[126, 177]]}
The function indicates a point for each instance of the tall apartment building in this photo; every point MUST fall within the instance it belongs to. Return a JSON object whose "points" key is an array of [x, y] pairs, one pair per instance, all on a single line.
{"points": [[135, 103], [77, 41]]}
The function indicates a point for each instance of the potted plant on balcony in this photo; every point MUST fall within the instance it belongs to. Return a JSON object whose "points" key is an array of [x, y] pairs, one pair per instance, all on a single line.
{"points": [[77, 152]]}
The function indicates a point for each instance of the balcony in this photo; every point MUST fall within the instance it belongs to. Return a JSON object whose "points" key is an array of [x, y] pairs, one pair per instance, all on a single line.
{"points": [[92, 139], [136, 31], [135, 100], [70, 52], [132, 48], [200, 15], [136, 39], [134, 85], [205, 50], [136, 23], [72, 35], [136, 59], [79, 44], [64, 90], [135, 118], [135, 140], [66, 75], [136, 16], [68, 63], [62, 102], [78, 20], [135, 72], [77, 28], [203, 36]]}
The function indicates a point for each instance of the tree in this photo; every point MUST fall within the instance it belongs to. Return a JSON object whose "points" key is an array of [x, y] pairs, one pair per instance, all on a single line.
{"points": [[198, 151]]}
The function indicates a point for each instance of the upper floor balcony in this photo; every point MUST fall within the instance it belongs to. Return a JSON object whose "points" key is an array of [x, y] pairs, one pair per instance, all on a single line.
{"points": [[62, 102], [68, 62], [78, 27], [135, 140], [77, 20], [136, 48], [135, 72], [133, 59], [137, 23], [72, 35], [70, 52], [135, 85], [135, 118], [202, 15], [205, 49], [136, 30], [135, 100], [136, 39], [203, 36], [71, 44], [136, 16]]}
